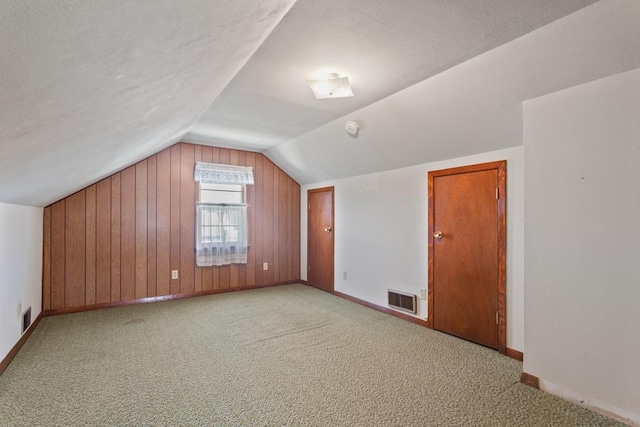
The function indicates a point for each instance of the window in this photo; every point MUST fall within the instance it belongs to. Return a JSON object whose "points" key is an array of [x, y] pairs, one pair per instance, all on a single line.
{"points": [[221, 214], [221, 217], [222, 193], [220, 223]]}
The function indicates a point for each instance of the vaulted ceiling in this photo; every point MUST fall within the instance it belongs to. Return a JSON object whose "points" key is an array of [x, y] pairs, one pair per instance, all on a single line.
{"points": [[383, 46], [88, 88]]}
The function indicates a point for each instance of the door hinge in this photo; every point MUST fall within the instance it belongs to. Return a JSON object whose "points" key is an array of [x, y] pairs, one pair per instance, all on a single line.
{"points": [[309, 206], [308, 268], [497, 193], [497, 317]]}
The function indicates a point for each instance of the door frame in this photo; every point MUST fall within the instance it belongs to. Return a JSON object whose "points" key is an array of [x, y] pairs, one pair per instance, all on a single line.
{"points": [[501, 167], [333, 231]]}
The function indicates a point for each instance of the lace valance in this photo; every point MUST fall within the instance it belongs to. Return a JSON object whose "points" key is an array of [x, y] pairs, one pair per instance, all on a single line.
{"points": [[214, 173]]}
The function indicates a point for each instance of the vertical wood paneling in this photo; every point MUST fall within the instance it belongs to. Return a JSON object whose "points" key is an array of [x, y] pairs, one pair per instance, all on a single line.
{"points": [[197, 279], [242, 268], [215, 277], [250, 277], [225, 277], [207, 272], [75, 252], [268, 219], [115, 236], [141, 230], [215, 155], [225, 270], [46, 259], [188, 219], [234, 275], [119, 239], [175, 217], [90, 242], [103, 241], [151, 226], [275, 265], [163, 202], [128, 234], [257, 237], [57, 254], [233, 157]]}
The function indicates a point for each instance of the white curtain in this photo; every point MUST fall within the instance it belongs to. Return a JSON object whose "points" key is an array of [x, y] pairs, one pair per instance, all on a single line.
{"points": [[215, 173], [222, 234]]}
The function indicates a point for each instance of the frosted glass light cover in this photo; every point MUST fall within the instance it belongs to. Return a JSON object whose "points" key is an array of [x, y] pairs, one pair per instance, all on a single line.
{"points": [[331, 88]]}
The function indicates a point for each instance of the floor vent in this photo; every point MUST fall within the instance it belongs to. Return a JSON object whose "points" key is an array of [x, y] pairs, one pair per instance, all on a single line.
{"points": [[402, 301], [26, 319]]}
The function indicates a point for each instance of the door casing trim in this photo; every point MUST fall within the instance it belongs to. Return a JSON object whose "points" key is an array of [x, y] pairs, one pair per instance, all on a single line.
{"points": [[501, 167]]}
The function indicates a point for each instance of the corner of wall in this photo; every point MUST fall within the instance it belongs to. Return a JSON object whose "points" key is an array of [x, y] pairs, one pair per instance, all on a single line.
{"points": [[21, 264]]}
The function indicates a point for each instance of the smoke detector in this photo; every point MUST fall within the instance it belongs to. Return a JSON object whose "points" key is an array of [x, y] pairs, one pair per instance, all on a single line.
{"points": [[351, 128]]}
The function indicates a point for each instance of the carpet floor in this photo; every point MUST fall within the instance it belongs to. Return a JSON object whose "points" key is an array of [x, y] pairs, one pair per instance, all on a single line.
{"points": [[288, 355]]}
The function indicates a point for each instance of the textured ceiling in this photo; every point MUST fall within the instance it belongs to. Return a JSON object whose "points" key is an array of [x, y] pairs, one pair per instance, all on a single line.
{"points": [[89, 87], [474, 107], [383, 46]]}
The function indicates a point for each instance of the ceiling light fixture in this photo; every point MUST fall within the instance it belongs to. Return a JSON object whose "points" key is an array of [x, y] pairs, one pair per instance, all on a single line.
{"points": [[333, 86]]}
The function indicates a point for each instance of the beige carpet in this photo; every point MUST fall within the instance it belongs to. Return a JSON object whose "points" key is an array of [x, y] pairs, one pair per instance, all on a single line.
{"points": [[290, 355]]}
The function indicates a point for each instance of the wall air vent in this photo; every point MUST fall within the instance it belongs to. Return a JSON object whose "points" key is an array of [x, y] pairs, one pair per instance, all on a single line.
{"points": [[402, 301], [26, 320]]}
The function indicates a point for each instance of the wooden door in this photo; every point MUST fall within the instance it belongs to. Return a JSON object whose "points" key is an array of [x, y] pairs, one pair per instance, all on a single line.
{"points": [[320, 238], [467, 253]]}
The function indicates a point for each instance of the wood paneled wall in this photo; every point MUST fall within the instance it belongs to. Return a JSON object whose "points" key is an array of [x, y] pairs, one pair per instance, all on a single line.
{"points": [[119, 239]]}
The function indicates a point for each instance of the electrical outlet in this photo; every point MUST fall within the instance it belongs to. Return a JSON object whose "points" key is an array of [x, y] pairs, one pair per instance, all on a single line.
{"points": [[265, 266], [174, 274], [423, 293], [344, 275]]}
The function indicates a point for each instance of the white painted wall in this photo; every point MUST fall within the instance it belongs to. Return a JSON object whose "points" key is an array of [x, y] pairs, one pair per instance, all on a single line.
{"points": [[381, 234], [20, 269], [582, 234]]}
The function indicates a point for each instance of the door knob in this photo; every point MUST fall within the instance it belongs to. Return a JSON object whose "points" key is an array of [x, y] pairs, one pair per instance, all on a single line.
{"points": [[438, 234], [328, 229]]}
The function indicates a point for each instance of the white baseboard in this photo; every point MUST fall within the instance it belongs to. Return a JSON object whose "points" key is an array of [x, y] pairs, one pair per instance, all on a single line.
{"points": [[594, 405]]}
